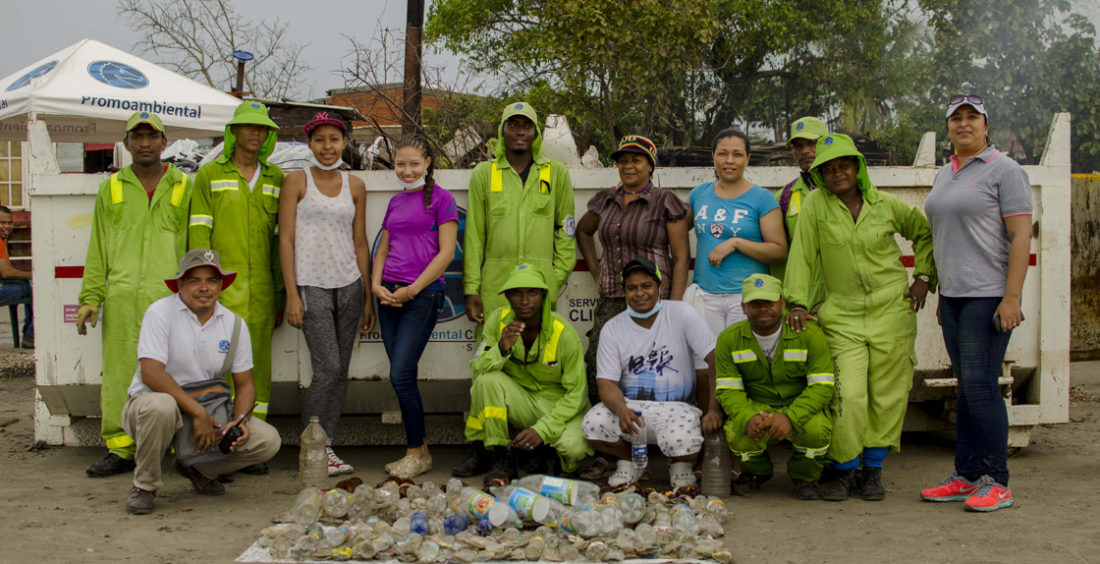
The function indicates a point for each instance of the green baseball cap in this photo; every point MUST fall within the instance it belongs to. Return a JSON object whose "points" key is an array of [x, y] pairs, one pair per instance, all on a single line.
{"points": [[254, 113], [525, 276], [807, 127], [761, 287], [147, 118]]}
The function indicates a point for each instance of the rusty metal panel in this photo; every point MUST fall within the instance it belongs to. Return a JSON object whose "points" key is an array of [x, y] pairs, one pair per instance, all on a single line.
{"points": [[1085, 267]]}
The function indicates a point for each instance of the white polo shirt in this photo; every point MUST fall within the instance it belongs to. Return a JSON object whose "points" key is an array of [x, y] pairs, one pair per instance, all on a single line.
{"points": [[190, 351]]}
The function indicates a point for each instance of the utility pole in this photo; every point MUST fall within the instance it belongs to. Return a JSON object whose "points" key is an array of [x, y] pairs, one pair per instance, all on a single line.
{"points": [[414, 26]]}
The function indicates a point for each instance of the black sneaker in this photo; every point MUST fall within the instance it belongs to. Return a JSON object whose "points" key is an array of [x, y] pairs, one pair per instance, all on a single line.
{"points": [[256, 469], [202, 484], [841, 487], [503, 468], [477, 461], [109, 466], [747, 483], [806, 491], [27, 342], [872, 485]]}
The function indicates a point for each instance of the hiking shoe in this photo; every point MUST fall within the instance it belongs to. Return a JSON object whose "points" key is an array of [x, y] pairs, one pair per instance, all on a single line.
{"points": [[745, 484], [504, 466], [140, 501], [27, 342], [256, 469], [109, 466], [477, 461], [990, 496], [336, 465], [841, 487], [806, 491], [872, 489], [202, 484], [954, 488]]}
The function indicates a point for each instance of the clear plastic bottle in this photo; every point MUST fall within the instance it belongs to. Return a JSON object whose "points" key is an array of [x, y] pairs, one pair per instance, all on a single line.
{"points": [[307, 507], [336, 503], [639, 448], [456, 523], [580, 522], [410, 544], [577, 493], [527, 504], [633, 507], [684, 519], [535, 547], [312, 458], [480, 505], [429, 551], [596, 551], [716, 466]]}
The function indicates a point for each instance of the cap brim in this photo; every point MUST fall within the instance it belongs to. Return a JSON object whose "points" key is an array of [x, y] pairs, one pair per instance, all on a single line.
{"points": [[808, 137], [227, 279], [771, 296], [953, 107]]}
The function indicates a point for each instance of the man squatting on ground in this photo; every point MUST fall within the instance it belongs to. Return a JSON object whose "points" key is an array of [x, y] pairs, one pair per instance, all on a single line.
{"points": [[184, 339], [645, 364], [774, 385]]}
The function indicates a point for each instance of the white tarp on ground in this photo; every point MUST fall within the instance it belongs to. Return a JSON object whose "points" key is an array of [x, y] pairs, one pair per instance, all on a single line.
{"points": [[86, 92], [260, 555]]}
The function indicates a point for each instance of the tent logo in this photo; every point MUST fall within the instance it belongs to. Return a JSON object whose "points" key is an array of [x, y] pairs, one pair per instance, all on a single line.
{"points": [[33, 74], [113, 73]]}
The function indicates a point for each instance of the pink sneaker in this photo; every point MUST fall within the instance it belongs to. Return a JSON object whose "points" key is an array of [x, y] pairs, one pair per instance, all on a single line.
{"points": [[991, 496], [954, 488]]}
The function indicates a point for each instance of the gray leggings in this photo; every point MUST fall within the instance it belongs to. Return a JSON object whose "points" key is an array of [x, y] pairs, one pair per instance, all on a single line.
{"points": [[330, 323]]}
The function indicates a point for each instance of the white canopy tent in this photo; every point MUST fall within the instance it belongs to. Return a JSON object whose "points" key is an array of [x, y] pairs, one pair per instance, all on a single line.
{"points": [[85, 92]]}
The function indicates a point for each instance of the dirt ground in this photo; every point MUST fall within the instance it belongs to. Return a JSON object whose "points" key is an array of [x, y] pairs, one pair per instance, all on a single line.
{"points": [[53, 513]]}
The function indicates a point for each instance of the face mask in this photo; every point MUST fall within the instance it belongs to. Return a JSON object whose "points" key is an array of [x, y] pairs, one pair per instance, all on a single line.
{"points": [[637, 315], [410, 186], [317, 164]]}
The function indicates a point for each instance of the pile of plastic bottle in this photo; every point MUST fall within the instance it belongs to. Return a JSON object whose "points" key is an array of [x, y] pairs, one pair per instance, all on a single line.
{"points": [[535, 518]]}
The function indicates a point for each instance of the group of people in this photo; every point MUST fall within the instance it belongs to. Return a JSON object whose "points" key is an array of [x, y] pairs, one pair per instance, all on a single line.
{"points": [[819, 352]]}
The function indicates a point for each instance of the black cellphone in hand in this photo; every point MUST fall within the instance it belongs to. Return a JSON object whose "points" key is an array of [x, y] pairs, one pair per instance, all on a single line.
{"points": [[997, 321]]}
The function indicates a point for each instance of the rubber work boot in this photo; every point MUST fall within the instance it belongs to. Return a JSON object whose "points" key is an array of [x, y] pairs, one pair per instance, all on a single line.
{"points": [[746, 483], [841, 487], [109, 466], [872, 485], [806, 491], [476, 462], [140, 502], [503, 468], [202, 484]]}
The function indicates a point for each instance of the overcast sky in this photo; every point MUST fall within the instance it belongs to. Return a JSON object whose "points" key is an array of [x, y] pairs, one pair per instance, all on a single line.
{"points": [[33, 29]]}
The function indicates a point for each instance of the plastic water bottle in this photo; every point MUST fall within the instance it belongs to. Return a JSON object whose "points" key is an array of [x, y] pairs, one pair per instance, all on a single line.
{"points": [[428, 552], [684, 519], [307, 507], [336, 503], [418, 524], [527, 504], [312, 458], [535, 547], [571, 492], [633, 507], [456, 523], [580, 522], [480, 505], [639, 449], [716, 466]]}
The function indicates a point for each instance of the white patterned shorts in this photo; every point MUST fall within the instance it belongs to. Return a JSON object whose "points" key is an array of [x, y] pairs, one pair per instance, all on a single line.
{"points": [[673, 426]]}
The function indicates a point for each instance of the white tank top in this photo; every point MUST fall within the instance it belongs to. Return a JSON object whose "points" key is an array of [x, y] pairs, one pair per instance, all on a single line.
{"points": [[324, 246]]}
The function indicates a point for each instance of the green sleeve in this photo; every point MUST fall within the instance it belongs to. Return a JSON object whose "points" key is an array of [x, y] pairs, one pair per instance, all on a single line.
{"points": [[276, 261], [488, 358], [805, 247], [914, 227], [201, 223], [93, 288], [473, 245], [573, 378], [565, 243], [730, 387], [820, 377]]}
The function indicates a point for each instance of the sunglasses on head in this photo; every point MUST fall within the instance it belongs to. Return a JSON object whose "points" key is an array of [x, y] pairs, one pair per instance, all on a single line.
{"points": [[967, 98]]}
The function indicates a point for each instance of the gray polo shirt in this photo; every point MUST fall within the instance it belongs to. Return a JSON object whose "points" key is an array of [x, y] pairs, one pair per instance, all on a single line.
{"points": [[966, 209]]}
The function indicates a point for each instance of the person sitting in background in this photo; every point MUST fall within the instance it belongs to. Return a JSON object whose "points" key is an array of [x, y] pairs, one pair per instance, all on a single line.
{"points": [[15, 289]]}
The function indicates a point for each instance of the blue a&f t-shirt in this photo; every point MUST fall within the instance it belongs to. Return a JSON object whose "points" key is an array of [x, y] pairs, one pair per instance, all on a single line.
{"points": [[718, 219]]}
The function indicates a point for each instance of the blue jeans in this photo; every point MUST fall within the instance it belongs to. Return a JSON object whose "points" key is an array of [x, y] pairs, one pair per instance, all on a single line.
{"points": [[405, 332], [14, 291], [977, 353]]}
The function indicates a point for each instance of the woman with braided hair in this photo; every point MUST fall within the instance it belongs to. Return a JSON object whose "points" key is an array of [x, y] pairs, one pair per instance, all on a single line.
{"points": [[416, 245]]}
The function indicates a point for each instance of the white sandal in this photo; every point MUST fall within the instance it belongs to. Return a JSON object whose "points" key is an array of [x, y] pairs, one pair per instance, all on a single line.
{"points": [[681, 475], [625, 473]]}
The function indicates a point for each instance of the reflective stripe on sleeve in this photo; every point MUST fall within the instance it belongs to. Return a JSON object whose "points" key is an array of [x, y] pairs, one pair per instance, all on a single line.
{"points": [[825, 378], [204, 220], [743, 356], [271, 190], [730, 384]]}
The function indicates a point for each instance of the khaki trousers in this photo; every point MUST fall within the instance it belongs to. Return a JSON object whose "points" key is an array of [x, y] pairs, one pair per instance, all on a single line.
{"points": [[153, 418]]}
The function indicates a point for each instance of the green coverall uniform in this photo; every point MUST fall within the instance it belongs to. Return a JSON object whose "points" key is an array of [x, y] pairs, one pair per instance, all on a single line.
{"points": [[547, 392], [239, 222], [799, 192], [865, 317], [509, 222], [798, 383], [136, 244]]}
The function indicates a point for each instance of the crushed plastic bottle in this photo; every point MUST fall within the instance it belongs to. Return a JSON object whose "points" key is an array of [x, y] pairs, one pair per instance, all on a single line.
{"points": [[717, 508], [336, 503], [639, 447], [580, 522], [456, 523], [418, 524], [596, 551], [312, 458], [535, 547], [633, 507], [684, 519], [410, 544], [307, 507], [577, 493], [428, 552]]}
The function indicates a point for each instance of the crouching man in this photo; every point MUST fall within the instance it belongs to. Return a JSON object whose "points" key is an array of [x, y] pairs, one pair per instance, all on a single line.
{"points": [[775, 385], [655, 359], [528, 373], [185, 338]]}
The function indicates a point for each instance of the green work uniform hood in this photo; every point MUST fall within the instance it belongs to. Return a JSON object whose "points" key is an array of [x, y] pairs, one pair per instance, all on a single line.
{"points": [[519, 109], [251, 113], [529, 276], [834, 146]]}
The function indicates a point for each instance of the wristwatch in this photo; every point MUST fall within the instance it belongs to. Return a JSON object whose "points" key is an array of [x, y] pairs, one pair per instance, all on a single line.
{"points": [[923, 278]]}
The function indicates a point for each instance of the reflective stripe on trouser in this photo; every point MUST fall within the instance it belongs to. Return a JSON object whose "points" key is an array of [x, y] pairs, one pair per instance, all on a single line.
{"points": [[873, 351], [810, 443], [497, 401]]}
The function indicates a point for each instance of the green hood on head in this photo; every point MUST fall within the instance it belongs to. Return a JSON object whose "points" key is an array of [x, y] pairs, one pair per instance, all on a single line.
{"points": [[254, 113], [518, 109], [529, 276], [834, 146]]}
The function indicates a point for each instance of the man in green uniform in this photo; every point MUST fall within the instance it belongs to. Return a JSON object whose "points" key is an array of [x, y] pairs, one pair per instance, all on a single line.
{"points": [[528, 372], [774, 385], [803, 143], [520, 211], [869, 313], [234, 212], [139, 233]]}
